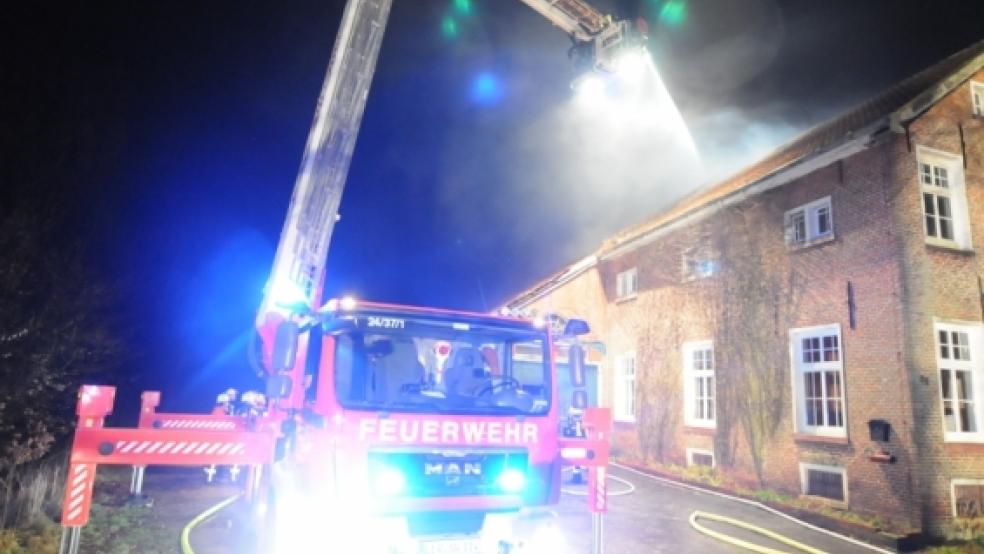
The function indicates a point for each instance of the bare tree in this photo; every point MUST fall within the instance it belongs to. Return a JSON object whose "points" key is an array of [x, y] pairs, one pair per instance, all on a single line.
{"points": [[757, 300], [658, 382], [56, 329]]}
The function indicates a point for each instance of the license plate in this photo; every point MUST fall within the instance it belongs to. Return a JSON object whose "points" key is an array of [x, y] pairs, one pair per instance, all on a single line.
{"points": [[451, 546]]}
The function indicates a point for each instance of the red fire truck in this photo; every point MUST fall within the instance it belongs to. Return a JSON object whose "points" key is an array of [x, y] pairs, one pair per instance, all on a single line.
{"points": [[386, 428]]}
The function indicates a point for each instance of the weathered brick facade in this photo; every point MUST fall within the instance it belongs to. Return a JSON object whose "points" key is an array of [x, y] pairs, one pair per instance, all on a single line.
{"points": [[876, 276]]}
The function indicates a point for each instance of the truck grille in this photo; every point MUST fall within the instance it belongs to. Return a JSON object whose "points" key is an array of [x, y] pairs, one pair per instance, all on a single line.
{"points": [[437, 473]]}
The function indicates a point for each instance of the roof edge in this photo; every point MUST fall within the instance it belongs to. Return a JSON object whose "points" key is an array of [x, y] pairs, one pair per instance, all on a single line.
{"points": [[782, 176], [551, 283], [928, 98]]}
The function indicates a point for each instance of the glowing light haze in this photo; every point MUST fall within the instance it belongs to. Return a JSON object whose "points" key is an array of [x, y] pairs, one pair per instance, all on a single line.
{"points": [[617, 151]]}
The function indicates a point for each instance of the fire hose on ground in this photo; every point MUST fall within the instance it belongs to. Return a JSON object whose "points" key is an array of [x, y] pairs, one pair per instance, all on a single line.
{"points": [[202, 518], [629, 487], [723, 537]]}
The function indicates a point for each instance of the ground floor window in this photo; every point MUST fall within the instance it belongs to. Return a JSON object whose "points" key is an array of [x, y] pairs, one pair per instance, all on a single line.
{"points": [[961, 370], [818, 380], [698, 383], [828, 482], [625, 382]]}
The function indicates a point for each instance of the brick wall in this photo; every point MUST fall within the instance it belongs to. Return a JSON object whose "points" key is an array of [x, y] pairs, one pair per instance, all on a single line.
{"points": [[939, 283]]}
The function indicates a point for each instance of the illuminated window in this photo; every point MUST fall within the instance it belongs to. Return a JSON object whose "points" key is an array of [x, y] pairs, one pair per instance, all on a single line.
{"points": [[822, 481], [699, 263], [944, 203], [977, 97], [626, 283], [818, 381], [809, 222], [698, 383], [958, 356], [625, 384]]}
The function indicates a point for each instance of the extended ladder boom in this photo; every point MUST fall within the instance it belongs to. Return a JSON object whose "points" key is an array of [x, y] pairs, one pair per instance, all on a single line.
{"points": [[299, 265], [576, 18]]}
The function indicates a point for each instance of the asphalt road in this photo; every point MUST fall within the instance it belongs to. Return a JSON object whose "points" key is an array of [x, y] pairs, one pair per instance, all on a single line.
{"points": [[655, 518]]}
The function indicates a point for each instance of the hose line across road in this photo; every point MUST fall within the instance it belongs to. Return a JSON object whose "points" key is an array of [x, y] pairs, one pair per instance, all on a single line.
{"points": [[629, 488], [723, 537], [202, 518]]}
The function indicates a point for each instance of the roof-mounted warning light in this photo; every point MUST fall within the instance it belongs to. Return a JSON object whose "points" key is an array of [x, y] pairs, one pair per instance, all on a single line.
{"points": [[346, 304]]}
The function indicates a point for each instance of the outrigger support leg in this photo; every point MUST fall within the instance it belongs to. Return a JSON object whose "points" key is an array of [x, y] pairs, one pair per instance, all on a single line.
{"points": [[71, 537], [136, 481], [597, 533]]}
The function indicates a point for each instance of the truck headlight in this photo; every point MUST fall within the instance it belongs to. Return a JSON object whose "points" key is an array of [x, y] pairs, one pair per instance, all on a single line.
{"points": [[389, 481], [512, 480]]}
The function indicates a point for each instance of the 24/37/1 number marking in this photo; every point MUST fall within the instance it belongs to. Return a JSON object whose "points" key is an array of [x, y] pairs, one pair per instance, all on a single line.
{"points": [[387, 322]]}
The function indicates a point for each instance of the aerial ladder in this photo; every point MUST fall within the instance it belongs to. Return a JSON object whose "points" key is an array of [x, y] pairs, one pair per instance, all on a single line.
{"points": [[493, 416]]}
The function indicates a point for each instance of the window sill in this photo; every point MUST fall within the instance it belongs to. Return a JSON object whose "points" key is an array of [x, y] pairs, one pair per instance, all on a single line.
{"points": [[699, 429], [954, 448], [629, 298], [624, 420], [797, 246], [963, 438], [948, 246], [821, 439]]}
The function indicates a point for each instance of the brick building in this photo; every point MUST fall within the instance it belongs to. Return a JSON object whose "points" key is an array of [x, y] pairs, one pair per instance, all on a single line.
{"points": [[775, 324]]}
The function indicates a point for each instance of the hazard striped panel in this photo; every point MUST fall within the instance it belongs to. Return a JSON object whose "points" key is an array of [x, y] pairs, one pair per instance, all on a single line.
{"points": [[180, 448], [598, 489], [213, 425], [78, 494], [169, 447]]}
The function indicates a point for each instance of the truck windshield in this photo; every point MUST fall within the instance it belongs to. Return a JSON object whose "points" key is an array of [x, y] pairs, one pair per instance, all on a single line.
{"points": [[443, 370]]}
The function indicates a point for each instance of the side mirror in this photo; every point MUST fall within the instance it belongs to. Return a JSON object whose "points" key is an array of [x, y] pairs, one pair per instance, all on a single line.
{"points": [[576, 327], [278, 386], [579, 399], [285, 346], [575, 362]]}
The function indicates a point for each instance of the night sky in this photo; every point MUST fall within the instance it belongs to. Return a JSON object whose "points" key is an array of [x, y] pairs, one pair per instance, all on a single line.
{"points": [[172, 133]]}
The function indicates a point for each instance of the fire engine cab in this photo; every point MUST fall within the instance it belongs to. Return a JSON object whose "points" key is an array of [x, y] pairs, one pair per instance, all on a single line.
{"points": [[421, 427]]}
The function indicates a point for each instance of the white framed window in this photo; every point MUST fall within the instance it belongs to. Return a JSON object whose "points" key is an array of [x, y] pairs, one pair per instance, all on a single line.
{"points": [[824, 481], [944, 202], [624, 382], [627, 283], [810, 222], [961, 368], [977, 97], [698, 384], [967, 497], [700, 457], [818, 381]]}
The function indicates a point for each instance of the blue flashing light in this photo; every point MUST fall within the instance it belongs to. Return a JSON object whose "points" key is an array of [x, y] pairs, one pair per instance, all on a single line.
{"points": [[449, 27], [390, 481], [486, 88], [463, 6], [512, 480]]}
